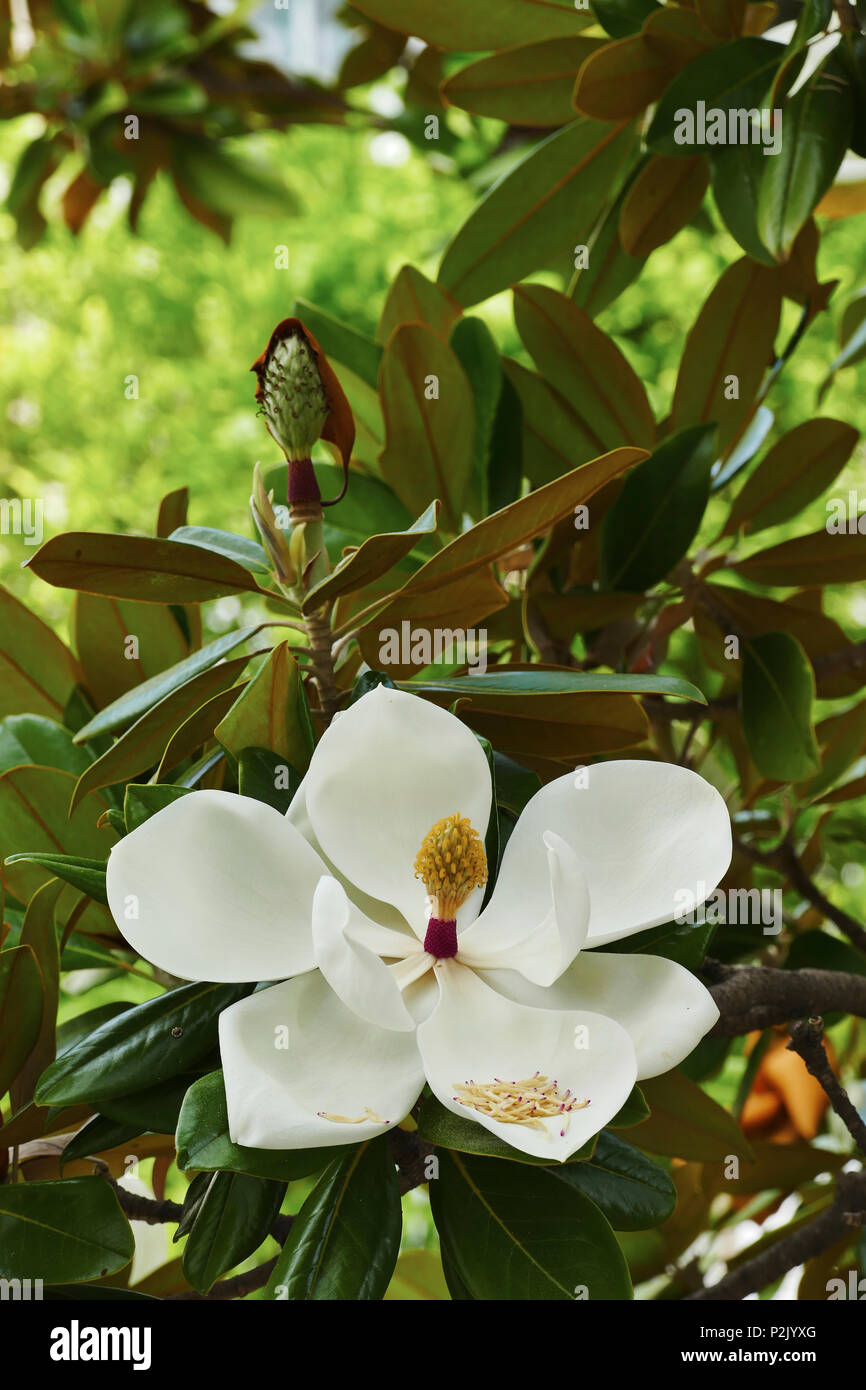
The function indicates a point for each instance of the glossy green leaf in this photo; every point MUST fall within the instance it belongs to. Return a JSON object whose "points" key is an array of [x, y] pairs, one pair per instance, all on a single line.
{"points": [[86, 874], [516, 1233], [266, 777], [816, 131], [544, 682], [62, 1231], [777, 693], [121, 643], [481, 25], [686, 1123], [272, 712], [498, 460], [37, 672], [830, 556], [240, 549], [95, 1137], [633, 1192], [634, 1110], [42, 935], [341, 342], [144, 799], [657, 514], [585, 366], [610, 270], [143, 745], [731, 78], [797, 469], [737, 174], [34, 813], [345, 1240], [500, 533], [530, 85], [686, 943], [373, 558], [138, 567], [427, 404], [203, 1142], [31, 738], [728, 350], [413, 298], [154, 1109], [555, 439], [547, 203], [20, 1010], [622, 17], [128, 708], [142, 1047], [231, 1222]]}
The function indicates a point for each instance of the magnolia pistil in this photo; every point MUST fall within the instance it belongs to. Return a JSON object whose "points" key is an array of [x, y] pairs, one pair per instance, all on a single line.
{"points": [[450, 863]]}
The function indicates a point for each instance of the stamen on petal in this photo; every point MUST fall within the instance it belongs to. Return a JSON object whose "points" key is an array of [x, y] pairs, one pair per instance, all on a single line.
{"points": [[450, 864], [527, 1102], [368, 1115]]}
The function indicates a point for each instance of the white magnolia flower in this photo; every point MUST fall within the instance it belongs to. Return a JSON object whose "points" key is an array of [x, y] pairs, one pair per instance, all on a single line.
{"points": [[366, 894]]}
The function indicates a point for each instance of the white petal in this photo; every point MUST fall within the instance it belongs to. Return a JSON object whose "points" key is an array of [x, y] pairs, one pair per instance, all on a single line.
{"points": [[345, 943], [333, 1063], [381, 777], [652, 838], [475, 1034], [537, 918], [374, 908], [664, 1009], [216, 887]]}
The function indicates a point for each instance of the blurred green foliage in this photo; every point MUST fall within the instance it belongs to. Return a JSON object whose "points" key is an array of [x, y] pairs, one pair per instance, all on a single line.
{"points": [[186, 316]]}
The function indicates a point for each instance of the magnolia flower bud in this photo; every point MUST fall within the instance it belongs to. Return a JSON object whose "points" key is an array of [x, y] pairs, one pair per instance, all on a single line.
{"points": [[302, 401], [293, 398]]}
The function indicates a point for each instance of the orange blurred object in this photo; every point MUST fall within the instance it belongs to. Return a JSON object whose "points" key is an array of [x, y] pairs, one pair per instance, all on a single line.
{"points": [[785, 1103]]}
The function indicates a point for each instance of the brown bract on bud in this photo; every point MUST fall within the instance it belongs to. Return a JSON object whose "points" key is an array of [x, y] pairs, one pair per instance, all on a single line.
{"points": [[302, 401]]}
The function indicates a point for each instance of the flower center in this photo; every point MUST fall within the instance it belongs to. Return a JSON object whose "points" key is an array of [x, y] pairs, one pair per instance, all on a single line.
{"points": [[526, 1102], [450, 864]]}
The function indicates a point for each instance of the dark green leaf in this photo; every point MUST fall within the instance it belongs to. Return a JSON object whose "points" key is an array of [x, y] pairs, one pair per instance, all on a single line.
{"points": [[345, 1239], [142, 1047], [231, 1222], [777, 694], [137, 702], [62, 1231], [658, 512], [267, 777], [516, 1233], [86, 874], [203, 1141], [633, 1192]]}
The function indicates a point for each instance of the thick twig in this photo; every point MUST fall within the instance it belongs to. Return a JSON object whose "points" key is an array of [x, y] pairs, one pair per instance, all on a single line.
{"points": [[783, 858], [237, 1287], [828, 1228], [319, 631], [807, 1039], [755, 996], [139, 1208]]}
